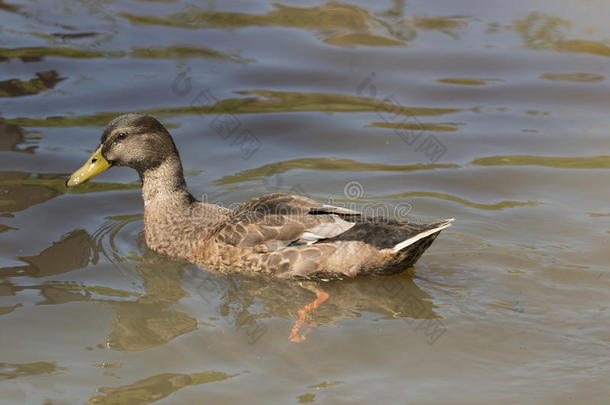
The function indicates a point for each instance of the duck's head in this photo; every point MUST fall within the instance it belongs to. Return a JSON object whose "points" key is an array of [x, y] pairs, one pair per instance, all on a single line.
{"points": [[134, 140]]}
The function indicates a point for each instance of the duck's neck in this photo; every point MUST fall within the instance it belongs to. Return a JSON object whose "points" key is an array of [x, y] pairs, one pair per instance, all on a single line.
{"points": [[165, 184], [175, 223]]}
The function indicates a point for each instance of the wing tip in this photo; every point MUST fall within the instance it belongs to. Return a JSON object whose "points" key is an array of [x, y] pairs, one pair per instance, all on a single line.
{"points": [[401, 245]]}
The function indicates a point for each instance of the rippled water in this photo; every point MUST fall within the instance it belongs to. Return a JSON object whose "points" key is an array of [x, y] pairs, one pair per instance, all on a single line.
{"points": [[495, 113]]}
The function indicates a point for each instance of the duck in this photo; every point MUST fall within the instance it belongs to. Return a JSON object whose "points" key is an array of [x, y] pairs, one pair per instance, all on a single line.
{"points": [[283, 235]]}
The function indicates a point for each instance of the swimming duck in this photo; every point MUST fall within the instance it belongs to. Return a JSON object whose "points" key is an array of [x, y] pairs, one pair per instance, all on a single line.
{"points": [[288, 236]]}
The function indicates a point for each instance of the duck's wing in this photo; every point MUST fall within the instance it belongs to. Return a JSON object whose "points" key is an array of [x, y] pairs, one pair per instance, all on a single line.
{"points": [[275, 221]]}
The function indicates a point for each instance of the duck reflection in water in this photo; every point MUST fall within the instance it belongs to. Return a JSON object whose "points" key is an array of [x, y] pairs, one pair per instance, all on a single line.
{"points": [[149, 320], [307, 303]]}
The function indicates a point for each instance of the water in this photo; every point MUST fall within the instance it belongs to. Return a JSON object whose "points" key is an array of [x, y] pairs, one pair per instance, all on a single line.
{"points": [[494, 113]]}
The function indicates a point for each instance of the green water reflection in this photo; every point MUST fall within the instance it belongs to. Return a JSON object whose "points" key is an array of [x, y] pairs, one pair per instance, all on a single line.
{"points": [[266, 102], [154, 388]]}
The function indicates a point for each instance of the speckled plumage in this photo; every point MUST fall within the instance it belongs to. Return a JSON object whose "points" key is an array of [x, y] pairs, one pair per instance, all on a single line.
{"points": [[287, 236]]}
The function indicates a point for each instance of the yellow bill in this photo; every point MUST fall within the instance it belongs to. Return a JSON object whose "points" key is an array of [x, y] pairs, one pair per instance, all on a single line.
{"points": [[94, 166]]}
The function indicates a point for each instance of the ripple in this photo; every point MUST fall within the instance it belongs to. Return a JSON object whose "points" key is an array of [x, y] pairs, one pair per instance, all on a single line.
{"points": [[154, 388], [326, 384], [55, 52], [323, 164], [170, 52], [573, 77], [444, 23], [265, 102], [338, 23], [592, 162], [71, 252], [22, 190], [448, 197], [466, 81], [362, 39], [43, 82], [540, 31], [12, 8], [105, 238], [11, 136], [418, 126], [5, 228], [14, 370]]}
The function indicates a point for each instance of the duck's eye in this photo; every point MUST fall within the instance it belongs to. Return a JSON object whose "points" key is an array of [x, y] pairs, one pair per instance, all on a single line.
{"points": [[121, 135]]}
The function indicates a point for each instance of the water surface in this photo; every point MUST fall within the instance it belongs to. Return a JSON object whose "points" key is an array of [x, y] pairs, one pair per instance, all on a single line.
{"points": [[494, 113]]}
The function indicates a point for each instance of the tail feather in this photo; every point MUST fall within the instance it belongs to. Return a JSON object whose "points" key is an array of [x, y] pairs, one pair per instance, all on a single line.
{"points": [[407, 242]]}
